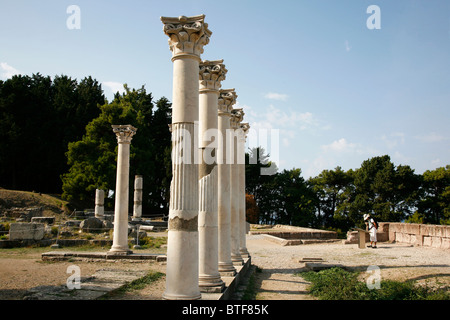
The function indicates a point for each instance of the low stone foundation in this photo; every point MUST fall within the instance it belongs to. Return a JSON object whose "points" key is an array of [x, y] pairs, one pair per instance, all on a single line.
{"points": [[427, 235], [296, 235]]}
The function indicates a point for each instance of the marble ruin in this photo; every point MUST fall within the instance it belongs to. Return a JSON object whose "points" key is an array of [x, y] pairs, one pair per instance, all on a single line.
{"points": [[99, 204], [206, 223], [137, 206], [227, 99], [124, 134], [207, 198]]}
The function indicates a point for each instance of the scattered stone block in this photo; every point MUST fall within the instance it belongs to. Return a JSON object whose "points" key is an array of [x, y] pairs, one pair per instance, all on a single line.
{"points": [[26, 231], [91, 224], [46, 220], [72, 223]]}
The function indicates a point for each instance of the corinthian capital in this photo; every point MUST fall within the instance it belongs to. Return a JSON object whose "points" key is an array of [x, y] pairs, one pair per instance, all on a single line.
{"points": [[227, 98], [211, 73], [237, 115], [245, 127], [124, 133], [187, 35]]}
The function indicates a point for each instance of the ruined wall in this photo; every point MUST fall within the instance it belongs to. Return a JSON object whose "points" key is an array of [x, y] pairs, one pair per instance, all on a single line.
{"points": [[436, 236]]}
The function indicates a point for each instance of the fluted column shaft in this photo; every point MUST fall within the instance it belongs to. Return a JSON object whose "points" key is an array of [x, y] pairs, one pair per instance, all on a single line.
{"points": [[187, 36], [227, 99], [211, 74], [243, 221], [236, 118]]}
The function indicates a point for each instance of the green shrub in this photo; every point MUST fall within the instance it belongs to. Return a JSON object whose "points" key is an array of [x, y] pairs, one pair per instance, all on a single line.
{"points": [[152, 242], [338, 284]]}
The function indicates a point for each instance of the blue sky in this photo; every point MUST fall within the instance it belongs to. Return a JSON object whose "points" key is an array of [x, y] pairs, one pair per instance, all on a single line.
{"points": [[337, 92]]}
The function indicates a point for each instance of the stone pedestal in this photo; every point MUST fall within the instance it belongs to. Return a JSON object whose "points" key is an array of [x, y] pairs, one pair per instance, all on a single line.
{"points": [[137, 206], [187, 36], [227, 99], [124, 135], [210, 76], [235, 190], [99, 204]]}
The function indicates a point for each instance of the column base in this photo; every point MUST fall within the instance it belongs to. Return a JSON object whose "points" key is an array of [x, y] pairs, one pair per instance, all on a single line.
{"points": [[237, 260], [244, 253], [169, 296], [227, 269], [209, 284], [119, 250]]}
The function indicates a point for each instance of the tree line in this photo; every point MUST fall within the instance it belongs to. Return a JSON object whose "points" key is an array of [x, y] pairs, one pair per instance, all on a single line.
{"points": [[337, 199], [56, 137]]}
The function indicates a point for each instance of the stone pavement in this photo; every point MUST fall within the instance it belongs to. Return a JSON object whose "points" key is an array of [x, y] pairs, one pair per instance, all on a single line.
{"points": [[93, 287], [106, 280]]}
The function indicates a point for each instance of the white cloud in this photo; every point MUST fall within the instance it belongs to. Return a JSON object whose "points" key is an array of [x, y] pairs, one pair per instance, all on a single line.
{"points": [[401, 158], [114, 86], [340, 145], [7, 70], [394, 139], [431, 137], [276, 96], [343, 147], [319, 164], [282, 119], [436, 162]]}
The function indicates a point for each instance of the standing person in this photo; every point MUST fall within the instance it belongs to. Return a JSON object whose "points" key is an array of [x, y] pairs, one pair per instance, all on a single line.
{"points": [[373, 226]]}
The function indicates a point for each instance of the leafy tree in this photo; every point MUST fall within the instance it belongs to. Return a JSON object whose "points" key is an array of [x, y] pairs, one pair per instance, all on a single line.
{"points": [[251, 209], [374, 187], [387, 192], [258, 185], [92, 159], [296, 199], [435, 203], [38, 117], [329, 187]]}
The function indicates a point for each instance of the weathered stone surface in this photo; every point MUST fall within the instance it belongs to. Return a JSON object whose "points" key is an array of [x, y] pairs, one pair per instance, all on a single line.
{"points": [[72, 223], [26, 231], [46, 220], [91, 225]]}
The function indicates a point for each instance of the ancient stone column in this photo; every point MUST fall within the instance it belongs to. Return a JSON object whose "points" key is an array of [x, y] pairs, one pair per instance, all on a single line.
{"points": [[211, 74], [241, 163], [227, 99], [235, 190], [187, 36], [137, 206], [124, 135], [99, 204]]}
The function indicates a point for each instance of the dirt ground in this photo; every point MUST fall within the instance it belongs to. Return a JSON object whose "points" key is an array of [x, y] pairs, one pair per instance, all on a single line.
{"points": [[277, 280], [23, 269]]}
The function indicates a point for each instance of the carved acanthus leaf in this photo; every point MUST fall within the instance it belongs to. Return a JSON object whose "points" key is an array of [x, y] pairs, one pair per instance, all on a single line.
{"points": [[227, 98], [186, 34], [124, 133], [211, 74], [237, 115]]}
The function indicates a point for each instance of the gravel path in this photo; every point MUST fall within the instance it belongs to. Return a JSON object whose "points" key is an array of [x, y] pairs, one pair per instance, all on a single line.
{"points": [[396, 262], [19, 273]]}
